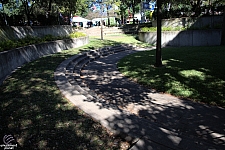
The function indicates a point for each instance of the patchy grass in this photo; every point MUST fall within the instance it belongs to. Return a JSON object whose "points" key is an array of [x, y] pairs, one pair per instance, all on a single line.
{"points": [[195, 73], [124, 38], [39, 117]]}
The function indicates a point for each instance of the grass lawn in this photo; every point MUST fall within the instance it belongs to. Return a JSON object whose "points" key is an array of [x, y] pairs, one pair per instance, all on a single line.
{"points": [[123, 38], [195, 73], [39, 117]]}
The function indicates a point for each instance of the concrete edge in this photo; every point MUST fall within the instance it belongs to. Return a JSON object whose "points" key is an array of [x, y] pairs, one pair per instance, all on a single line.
{"points": [[12, 59]]}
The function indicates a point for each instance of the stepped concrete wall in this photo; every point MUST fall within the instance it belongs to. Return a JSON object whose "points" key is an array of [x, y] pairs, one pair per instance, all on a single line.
{"points": [[194, 22], [12, 59], [96, 31], [18, 32], [184, 38]]}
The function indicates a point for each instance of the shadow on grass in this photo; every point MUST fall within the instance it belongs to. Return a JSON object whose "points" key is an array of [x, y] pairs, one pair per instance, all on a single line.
{"points": [[160, 121], [194, 73], [35, 113]]}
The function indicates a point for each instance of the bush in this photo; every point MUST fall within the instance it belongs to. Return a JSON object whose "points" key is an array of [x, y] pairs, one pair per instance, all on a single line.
{"points": [[48, 37], [148, 29], [77, 34], [28, 40], [8, 44], [151, 29], [206, 27]]}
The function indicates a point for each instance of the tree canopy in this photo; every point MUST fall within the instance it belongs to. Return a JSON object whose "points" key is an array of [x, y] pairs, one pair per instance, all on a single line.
{"points": [[47, 12]]}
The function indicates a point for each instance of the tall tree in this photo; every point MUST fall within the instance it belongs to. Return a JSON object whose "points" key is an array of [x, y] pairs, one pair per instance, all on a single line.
{"points": [[123, 7], [158, 62], [222, 42], [109, 4], [132, 4], [3, 3], [28, 6], [223, 29]]}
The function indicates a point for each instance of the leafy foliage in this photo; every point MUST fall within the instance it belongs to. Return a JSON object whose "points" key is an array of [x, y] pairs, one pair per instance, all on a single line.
{"points": [[178, 28], [28, 40], [46, 12], [77, 35], [149, 29]]}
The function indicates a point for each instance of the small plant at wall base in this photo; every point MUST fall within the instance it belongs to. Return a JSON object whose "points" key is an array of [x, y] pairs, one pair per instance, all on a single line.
{"points": [[77, 35], [154, 29], [28, 40]]}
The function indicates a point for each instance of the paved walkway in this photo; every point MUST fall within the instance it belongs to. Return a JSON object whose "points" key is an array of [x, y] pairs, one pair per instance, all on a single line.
{"points": [[148, 119]]}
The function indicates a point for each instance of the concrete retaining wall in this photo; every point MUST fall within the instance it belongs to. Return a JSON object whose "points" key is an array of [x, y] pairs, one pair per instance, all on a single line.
{"points": [[17, 32], [201, 22], [184, 38], [12, 59]]}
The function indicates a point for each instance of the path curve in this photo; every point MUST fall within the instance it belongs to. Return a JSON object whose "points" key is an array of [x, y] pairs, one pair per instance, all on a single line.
{"points": [[148, 119]]}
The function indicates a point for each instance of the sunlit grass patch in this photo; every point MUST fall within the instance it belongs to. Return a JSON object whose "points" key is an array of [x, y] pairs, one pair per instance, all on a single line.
{"points": [[190, 72], [123, 38], [193, 74]]}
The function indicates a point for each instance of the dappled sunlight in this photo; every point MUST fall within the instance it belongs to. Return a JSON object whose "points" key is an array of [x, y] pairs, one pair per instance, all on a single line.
{"points": [[188, 72], [178, 88], [174, 139], [35, 112], [204, 69], [25, 123], [162, 116], [206, 131], [42, 144], [22, 138], [173, 126], [168, 61], [61, 125], [193, 74]]}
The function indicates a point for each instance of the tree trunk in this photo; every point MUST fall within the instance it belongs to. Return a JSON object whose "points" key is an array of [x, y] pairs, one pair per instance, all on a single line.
{"points": [[6, 23], [223, 30], [196, 7], [198, 11], [50, 5], [122, 19], [133, 12], [158, 44], [108, 16], [49, 11], [27, 12]]}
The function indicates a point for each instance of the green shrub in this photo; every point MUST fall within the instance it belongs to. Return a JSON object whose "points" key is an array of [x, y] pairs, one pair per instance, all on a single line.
{"points": [[6, 45], [173, 28], [151, 29], [49, 37], [28, 40], [148, 29], [77, 34], [18, 44]]}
